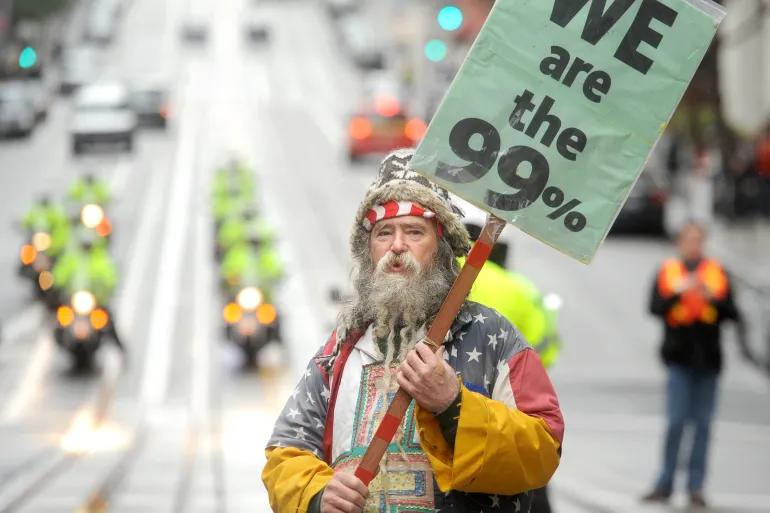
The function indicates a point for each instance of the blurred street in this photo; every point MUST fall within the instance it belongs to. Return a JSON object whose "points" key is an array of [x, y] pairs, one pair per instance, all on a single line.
{"points": [[185, 425]]}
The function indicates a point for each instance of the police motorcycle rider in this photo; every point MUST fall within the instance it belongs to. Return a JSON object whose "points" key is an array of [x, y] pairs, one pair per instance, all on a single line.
{"points": [[233, 189], [89, 198], [89, 189], [236, 227], [251, 270], [46, 235], [233, 177], [85, 278], [519, 300], [230, 207]]}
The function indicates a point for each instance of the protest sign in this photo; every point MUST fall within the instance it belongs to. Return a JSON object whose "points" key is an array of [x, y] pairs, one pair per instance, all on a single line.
{"points": [[554, 112]]}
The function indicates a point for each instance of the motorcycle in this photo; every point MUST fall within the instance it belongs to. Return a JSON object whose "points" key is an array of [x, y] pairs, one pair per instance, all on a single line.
{"points": [[93, 217], [251, 323], [36, 264], [553, 303], [80, 325]]}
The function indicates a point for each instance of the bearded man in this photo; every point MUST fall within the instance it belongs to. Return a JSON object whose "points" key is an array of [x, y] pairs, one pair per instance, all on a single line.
{"points": [[485, 427]]}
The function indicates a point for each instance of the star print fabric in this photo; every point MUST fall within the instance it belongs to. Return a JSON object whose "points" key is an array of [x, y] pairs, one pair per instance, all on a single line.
{"points": [[301, 423], [510, 425]]}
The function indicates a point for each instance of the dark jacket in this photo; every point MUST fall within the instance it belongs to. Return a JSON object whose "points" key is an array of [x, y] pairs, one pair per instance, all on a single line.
{"points": [[697, 346]]}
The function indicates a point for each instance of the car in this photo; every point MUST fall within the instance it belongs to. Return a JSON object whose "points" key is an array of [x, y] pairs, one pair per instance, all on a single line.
{"points": [[37, 90], [115, 7], [17, 110], [102, 113], [101, 24], [42, 95], [195, 30], [382, 129], [151, 104], [339, 8], [644, 211], [79, 66], [257, 27], [360, 40]]}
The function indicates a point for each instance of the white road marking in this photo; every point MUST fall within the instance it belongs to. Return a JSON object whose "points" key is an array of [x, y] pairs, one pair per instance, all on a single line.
{"points": [[158, 354], [26, 322], [202, 336], [119, 177], [29, 388]]}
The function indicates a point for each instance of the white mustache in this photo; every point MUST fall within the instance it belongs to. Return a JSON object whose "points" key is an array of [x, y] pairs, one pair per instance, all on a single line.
{"points": [[405, 260]]}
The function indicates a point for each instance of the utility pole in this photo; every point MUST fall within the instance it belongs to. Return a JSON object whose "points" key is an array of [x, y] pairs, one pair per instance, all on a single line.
{"points": [[6, 18], [420, 67]]}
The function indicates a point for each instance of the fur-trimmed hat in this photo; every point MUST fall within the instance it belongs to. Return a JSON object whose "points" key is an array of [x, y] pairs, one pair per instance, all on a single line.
{"points": [[395, 182]]}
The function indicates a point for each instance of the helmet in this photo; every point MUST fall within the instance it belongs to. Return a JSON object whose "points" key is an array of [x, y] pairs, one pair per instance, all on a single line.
{"points": [[86, 241], [87, 245], [89, 178], [254, 238], [474, 221], [44, 200], [249, 214]]}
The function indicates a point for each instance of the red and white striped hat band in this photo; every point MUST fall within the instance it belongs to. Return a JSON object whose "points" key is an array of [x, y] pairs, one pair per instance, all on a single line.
{"points": [[396, 209]]}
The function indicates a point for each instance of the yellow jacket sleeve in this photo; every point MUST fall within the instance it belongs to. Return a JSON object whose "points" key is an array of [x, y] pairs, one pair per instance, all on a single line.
{"points": [[498, 450], [293, 477], [507, 444]]}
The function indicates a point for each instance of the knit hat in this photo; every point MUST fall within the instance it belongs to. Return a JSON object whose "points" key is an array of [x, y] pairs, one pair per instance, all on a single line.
{"points": [[398, 191]]}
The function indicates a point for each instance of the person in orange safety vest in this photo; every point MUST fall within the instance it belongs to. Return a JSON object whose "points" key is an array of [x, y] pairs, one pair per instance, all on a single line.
{"points": [[693, 296]]}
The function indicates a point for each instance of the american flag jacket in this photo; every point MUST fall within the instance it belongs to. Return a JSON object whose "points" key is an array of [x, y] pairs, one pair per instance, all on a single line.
{"points": [[508, 439]]}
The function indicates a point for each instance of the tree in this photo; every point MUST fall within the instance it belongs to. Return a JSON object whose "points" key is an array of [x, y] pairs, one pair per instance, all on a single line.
{"points": [[36, 9], [700, 116]]}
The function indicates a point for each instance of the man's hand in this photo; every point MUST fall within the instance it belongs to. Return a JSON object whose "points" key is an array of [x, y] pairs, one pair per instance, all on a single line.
{"points": [[345, 493], [690, 283], [428, 378]]}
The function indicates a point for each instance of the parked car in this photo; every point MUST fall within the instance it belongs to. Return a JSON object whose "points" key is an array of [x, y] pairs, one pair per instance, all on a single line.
{"points": [[17, 111], [645, 209]]}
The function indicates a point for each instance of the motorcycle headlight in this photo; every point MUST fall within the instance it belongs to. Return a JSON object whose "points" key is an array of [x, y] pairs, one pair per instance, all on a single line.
{"points": [[553, 302], [92, 215], [249, 298], [83, 302], [41, 241]]}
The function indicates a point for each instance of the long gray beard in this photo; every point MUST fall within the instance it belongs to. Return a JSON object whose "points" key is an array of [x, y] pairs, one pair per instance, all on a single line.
{"points": [[398, 305]]}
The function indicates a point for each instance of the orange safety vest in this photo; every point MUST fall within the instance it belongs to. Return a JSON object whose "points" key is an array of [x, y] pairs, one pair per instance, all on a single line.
{"points": [[693, 306]]}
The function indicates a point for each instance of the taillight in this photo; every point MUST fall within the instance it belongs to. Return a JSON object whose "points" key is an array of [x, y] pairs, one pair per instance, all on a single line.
{"points": [[360, 128], [28, 254], [387, 106], [164, 110], [659, 196], [415, 129]]}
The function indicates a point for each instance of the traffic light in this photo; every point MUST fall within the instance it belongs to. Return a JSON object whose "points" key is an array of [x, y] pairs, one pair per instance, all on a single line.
{"points": [[450, 18], [435, 50], [27, 57]]}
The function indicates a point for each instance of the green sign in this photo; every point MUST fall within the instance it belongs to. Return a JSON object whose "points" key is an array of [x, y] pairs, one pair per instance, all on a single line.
{"points": [[559, 103]]}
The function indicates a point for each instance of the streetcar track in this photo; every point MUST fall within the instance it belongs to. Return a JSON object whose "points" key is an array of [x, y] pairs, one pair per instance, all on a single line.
{"points": [[30, 462], [34, 482], [201, 425]]}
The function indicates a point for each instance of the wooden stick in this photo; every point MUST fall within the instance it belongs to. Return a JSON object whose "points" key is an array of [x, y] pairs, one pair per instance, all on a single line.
{"points": [[370, 463]]}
